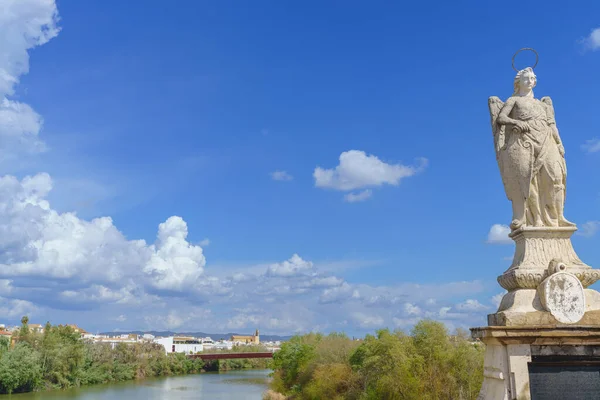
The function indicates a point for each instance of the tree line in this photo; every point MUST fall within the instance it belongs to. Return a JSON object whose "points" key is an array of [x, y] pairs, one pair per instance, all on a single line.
{"points": [[58, 358], [427, 364]]}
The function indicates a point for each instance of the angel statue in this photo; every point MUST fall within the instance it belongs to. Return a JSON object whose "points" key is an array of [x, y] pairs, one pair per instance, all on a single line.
{"points": [[530, 155]]}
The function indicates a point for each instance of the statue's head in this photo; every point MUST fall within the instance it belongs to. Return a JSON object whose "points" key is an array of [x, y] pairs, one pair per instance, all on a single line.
{"points": [[525, 81]]}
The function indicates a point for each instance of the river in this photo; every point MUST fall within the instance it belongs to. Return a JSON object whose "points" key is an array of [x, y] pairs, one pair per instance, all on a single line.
{"points": [[232, 385]]}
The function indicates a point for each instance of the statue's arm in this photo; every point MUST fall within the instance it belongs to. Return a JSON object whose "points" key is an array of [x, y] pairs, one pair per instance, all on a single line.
{"points": [[503, 117]]}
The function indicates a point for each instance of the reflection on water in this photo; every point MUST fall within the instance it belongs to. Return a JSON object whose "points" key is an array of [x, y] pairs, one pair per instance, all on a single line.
{"points": [[234, 385]]}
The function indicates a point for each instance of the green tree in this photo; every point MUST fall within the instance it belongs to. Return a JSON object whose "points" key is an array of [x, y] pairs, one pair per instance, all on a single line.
{"points": [[62, 354], [20, 369], [4, 344]]}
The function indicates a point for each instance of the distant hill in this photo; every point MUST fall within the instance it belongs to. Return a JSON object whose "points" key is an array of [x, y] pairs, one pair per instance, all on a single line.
{"points": [[214, 336]]}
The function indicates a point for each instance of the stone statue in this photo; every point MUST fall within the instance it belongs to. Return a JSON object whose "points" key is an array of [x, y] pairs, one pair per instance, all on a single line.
{"points": [[549, 308], [530, 155]]}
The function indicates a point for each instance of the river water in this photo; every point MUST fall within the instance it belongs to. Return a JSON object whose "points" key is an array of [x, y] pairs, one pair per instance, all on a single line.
{"points": [[233, 385]]}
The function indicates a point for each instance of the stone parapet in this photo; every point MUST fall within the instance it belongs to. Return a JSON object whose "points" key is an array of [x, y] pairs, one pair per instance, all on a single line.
{"points": [[510, 350]]}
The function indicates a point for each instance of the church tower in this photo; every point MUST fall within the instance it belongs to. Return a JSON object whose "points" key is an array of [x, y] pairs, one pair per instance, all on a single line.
{"points": [[256, 337]]}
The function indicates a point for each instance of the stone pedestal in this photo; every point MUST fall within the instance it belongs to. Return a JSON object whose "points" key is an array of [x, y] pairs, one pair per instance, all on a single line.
{"points": [[513, 354], [547, 325], [536, 248], [540, 253]]}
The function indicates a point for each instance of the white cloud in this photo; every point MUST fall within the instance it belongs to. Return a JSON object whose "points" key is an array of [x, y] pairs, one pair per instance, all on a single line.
{"points": [[357, 197], [592, 41], [357, 170], [368, 320], [591, 146], [405, 322], [293, 267], [24, 24], [589, 228], [17, 308], [242, 321], [121, 318], [471, 305], [338, 294], [281, 176], [174, 263], [204, 242], [35, 240], [411, 309], [499, 234], [497, 299]]}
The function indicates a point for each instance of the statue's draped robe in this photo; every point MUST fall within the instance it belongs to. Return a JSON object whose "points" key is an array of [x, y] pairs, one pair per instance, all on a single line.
{"points": [[531, 165]]}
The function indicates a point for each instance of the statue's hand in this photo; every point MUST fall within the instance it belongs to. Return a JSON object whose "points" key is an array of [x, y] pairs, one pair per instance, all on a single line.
{"points": [[520, 126]]}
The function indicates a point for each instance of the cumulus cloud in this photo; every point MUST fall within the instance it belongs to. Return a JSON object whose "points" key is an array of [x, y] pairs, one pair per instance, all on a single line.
{"points": [[592, 41], [281, 176], [591, 146], [411, 309], [471, 305], [16, 308], [498, 234], [357, 170], [36, 240], [24, 24], [357, 197], [589, 228], [497, 299], [174, 263], [368, 320], [293, 267]]}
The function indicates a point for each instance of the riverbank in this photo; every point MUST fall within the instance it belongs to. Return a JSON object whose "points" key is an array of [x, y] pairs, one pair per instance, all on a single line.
{"points": [[59, 359]]}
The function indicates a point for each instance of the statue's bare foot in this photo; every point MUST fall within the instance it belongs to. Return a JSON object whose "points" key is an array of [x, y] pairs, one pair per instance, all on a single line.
{"points": [[516, 224], [562, 221], [538, 223]]}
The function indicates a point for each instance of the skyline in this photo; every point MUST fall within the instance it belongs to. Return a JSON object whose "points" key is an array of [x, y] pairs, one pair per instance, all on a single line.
{"points": [[219, 167]]}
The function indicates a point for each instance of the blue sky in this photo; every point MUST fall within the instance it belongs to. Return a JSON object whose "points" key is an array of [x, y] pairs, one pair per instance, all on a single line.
{"points": [[225, 122]]}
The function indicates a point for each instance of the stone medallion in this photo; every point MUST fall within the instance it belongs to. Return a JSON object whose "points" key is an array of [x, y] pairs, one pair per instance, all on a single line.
{"points": [[563, 296]]}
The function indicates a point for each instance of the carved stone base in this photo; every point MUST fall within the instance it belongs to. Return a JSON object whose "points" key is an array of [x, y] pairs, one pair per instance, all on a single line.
{"points": [[524, 307], [536, 248], [510, 352]]}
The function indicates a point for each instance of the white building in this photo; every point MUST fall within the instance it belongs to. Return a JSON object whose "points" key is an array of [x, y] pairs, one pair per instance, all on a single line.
{"points": [[223, 345], [208, 343], [180, 344]]}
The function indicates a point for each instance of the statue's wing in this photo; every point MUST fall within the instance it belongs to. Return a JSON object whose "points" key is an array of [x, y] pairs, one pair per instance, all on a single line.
{"points": [[549, 108], [495, 105]]}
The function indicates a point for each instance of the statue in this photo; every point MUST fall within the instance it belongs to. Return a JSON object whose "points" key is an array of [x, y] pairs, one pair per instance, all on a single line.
{"points": [[530, 155], [549, 311]]}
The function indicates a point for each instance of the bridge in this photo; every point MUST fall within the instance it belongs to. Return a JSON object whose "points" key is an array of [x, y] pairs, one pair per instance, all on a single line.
{"points": [[229, 356]]}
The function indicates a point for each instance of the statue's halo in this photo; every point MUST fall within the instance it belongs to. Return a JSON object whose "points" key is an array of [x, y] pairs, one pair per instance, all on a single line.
{"points": [[537, 57]]}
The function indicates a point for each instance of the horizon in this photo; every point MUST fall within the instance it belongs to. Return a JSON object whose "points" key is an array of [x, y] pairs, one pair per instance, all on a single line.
{"points": [[293, 167]]}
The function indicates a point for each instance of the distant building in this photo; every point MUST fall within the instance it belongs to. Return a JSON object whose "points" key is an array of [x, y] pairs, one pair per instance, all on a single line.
{"points": [[207, 343], [112, 341], [223, 345], [78, 329], [180, 344], [37, 328], [254, 339]]}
